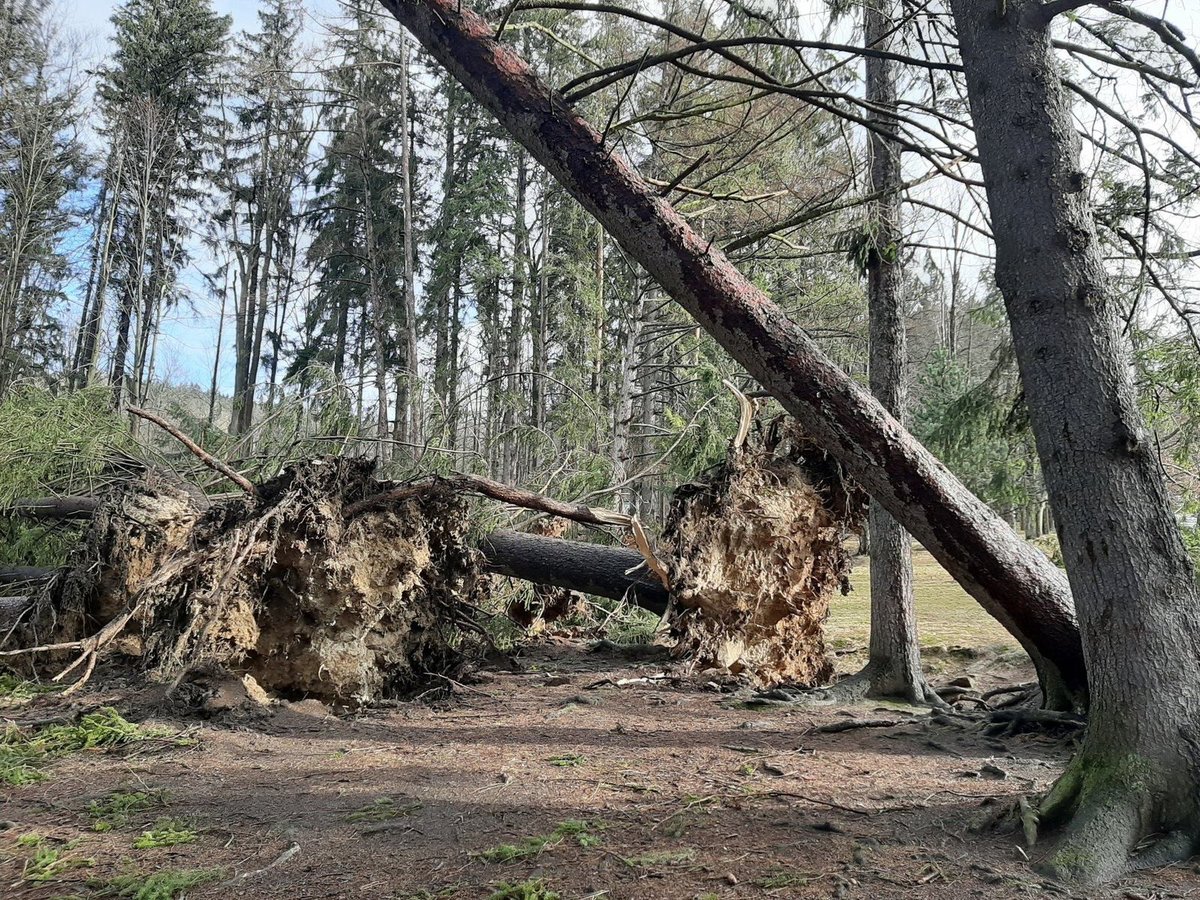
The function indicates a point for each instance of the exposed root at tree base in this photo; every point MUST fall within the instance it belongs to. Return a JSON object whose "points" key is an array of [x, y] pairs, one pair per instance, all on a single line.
{"points": [[869, 683], [280, 587], [1115, 817], [756, 554]]}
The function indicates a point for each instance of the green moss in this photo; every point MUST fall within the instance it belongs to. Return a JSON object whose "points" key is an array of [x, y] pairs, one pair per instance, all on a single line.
{"points": [[115, 810], [164, 884], [526, 890], [23, 756], [567, 760], [167, 832]]}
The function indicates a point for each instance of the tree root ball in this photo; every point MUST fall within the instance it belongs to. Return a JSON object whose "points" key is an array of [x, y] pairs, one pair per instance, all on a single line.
{"points": [[756, 552], [282, 587]]}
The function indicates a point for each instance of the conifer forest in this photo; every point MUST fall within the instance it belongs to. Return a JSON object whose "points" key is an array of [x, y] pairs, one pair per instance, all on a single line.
{"points": [[546, 449]]}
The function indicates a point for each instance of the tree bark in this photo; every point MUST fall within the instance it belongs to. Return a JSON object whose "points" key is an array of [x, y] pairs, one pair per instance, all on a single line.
{"points": [[55, 508], [1131, 797], [587, 568], [894, 658], [1012, 580]]}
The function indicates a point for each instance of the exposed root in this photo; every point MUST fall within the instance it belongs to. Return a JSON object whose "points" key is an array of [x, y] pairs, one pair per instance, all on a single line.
{"points": [[279, 586], [757, 552], [1117, 816]]}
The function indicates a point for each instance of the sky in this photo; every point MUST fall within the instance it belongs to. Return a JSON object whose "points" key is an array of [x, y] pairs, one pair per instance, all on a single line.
{"points": [[190, 331], [190, 335]]}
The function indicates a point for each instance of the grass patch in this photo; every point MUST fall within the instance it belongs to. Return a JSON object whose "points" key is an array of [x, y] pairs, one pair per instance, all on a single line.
{"points": [[567, 760], [946, 614], [660, 858], [23, 756], [535, 889], [167, 832], [48, 862], [165, 884], [384, 809], [582, 831], [115, 810]]}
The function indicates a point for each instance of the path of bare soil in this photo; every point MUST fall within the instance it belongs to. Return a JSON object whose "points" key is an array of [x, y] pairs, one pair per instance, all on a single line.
{"points": [[659, 788]]}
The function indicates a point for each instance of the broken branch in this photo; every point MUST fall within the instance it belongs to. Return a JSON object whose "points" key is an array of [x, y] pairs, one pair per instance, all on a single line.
{"points": [[199, 452]]}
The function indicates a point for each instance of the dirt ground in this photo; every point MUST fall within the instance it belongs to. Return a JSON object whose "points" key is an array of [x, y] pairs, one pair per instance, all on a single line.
{"points": [[586, 773]]}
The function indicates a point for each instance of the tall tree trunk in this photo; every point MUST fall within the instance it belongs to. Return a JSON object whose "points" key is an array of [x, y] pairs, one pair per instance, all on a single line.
{"points": [[538, 320], [623, 420], [1012, 580], [449, 262], [516, 326], [93, 296], [379, 316], [1131, 796], [406, 387], [894, 663]]}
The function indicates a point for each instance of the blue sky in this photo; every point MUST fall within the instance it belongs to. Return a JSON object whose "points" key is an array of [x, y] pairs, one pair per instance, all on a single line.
{"points": [[187, 346], [186, 349]]}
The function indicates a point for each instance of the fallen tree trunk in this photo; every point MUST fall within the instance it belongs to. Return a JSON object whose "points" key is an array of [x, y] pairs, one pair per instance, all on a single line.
{"points": [[587, 568], [54, 508], [1013, 581], [26, 575]]}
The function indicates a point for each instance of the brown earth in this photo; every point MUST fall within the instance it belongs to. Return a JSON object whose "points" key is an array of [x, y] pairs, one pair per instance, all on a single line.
{"points": [[687, 794]]}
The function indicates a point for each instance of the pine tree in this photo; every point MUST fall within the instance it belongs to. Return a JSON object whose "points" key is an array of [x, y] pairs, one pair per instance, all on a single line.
{"points": [[264, 164], [358, 220], [41, 166], [155, 96]]}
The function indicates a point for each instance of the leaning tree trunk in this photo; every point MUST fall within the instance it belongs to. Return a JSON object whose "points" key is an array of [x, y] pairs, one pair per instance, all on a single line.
{"points": [[1014, 582], [894, 661], [1137, 774]]}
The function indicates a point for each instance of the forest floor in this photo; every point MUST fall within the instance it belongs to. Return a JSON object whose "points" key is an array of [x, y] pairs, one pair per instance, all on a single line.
{"points": [[589, 774]]}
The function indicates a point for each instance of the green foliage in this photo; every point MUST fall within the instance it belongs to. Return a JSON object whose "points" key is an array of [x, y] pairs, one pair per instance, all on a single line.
{"points": [[15, 691], [582, 831], [534, 889], [979, 431], [49, 861], [24, 756], [116, 809], [57, 443], [163, 884], [52, 444], [166, 832]]}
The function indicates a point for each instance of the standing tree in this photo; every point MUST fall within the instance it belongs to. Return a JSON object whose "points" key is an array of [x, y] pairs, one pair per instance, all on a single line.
{"points": [[41, 164], [261, 172], [894, 663], [1131, 796], [155, 97]]}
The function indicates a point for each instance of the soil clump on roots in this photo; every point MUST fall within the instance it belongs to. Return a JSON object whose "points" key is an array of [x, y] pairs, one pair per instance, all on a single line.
{"points": [[284, 586], [756, 552]]}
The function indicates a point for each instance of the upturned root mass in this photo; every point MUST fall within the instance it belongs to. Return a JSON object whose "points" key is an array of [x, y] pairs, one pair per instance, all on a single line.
{"points": [[756, 552], [282, 586]]}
